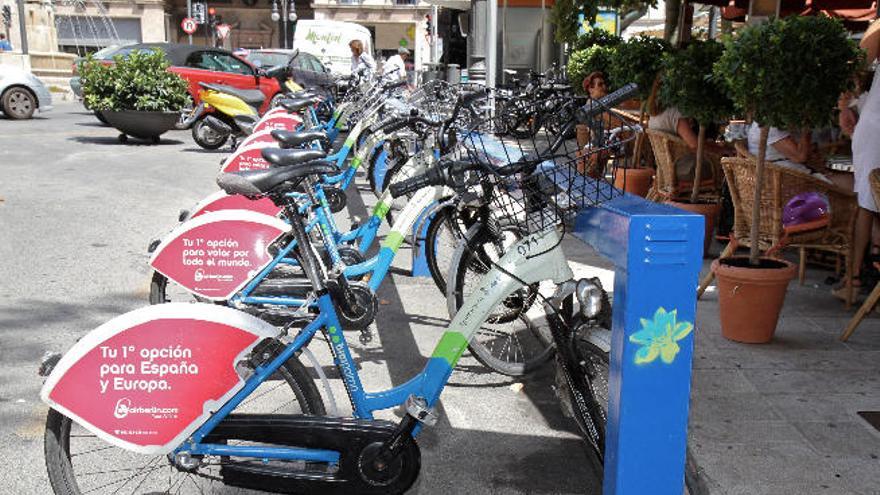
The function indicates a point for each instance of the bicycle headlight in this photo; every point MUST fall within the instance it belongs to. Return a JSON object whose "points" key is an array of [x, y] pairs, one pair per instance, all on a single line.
{"points": [[589, 295]]}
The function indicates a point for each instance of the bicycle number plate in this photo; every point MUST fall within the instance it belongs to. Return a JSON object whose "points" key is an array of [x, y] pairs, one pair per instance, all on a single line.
{"points": [[147, 379], [216, 254]]}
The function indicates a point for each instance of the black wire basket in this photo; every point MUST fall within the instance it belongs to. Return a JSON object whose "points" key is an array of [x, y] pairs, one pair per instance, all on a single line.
{"points": [[542, 181]]}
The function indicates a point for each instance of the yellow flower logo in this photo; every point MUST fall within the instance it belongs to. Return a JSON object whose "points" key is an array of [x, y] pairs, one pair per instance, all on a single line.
{"points": [[659, 337]]}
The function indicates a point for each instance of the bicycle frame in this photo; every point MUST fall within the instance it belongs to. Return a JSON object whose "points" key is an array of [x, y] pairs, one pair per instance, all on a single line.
{"points": [[523, 261]]}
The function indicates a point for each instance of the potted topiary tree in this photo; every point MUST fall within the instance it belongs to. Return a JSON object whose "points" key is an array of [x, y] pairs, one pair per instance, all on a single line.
{"points": [[689, 85], [137, 94], [637, 60], [786, 74]]}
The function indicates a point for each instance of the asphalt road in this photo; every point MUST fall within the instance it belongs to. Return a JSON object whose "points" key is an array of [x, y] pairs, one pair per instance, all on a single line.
{"points": [[77, 211]]}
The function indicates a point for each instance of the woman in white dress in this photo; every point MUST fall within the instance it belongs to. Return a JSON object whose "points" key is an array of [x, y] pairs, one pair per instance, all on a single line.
{"points": [[866, 151]]}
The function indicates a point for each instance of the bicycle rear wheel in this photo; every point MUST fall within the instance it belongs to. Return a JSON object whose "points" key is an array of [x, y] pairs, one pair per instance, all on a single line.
{"points": [[78, 462]]}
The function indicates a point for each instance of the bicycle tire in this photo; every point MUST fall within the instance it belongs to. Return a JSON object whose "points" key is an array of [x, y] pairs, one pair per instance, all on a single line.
{"points": [[436, 244], [59, 459], [509, 330]]}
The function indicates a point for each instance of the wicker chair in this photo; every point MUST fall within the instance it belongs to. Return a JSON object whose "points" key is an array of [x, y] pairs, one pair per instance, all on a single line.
{"points": [[872, 299], [834, 233], [667, 149]]}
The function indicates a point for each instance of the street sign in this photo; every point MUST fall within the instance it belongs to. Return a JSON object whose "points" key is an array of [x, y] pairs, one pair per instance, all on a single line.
{"points": [[223, 31], [199, 13], [189, 25]]}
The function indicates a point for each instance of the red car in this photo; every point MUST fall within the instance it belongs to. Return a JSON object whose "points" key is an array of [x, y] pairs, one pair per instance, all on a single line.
{"points": [[198, 64]]}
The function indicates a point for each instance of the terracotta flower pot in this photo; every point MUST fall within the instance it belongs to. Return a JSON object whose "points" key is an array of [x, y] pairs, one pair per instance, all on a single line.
{"points": [[750, 298], [634, 180], [710, 213]]}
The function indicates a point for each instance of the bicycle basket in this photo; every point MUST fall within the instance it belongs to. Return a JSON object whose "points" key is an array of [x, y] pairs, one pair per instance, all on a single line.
{"points": [[542, 181]]}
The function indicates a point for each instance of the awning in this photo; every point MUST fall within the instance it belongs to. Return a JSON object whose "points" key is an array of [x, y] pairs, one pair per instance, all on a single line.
{"points": [[856, 14]]}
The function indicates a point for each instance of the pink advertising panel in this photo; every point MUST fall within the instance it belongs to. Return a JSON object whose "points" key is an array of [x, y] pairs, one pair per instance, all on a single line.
{"points": [[214, 255], [146, 380], [284, 122], [219, 201], [258, 137], [247, 158]]}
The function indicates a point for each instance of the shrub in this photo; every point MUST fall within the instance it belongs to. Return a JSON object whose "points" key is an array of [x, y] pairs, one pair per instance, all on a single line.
{"points": [[583, 62], [140, 81], [637, 60], [690, 86]]}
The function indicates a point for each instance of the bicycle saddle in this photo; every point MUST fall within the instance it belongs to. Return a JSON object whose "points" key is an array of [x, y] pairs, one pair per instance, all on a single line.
{"points": [[297, 104], [278, 157], [259, 182], [292, 139]]}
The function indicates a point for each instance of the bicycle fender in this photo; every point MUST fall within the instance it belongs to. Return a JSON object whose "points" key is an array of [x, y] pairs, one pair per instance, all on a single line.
{"points": [[220, 201], [216, 254], [146, 380]]}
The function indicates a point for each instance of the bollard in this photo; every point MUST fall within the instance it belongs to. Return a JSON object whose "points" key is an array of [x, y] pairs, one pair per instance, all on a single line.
{"points": [[657, 254]]}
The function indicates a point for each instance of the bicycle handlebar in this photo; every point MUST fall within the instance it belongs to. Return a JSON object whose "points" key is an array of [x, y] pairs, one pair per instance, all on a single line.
{"points": [[438, 175], [595, 107]]}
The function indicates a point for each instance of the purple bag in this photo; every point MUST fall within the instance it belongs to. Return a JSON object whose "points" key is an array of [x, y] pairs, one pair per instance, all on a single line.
{"points": [[803, 208]]}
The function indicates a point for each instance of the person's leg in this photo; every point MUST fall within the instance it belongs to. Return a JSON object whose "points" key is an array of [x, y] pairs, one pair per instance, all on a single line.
{"points": [[864, 222]]}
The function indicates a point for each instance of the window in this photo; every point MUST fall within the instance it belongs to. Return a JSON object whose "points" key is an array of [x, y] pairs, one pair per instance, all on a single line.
{"points": [[220, 62], [313, 62]]}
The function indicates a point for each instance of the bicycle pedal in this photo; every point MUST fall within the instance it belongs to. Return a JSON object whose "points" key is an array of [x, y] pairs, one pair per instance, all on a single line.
{"points": [[365, 337]]}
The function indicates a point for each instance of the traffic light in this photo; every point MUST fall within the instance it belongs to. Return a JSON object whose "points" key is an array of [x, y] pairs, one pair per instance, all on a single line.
{"points": [[428, 24], [7, 15]]}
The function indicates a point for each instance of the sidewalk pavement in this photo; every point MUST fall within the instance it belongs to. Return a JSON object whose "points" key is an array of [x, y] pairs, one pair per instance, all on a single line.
{"points": [[781, 418]]}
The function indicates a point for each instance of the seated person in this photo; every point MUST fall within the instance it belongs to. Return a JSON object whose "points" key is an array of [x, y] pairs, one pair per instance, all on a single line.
{"points": [[792, 151], [672, 121]]}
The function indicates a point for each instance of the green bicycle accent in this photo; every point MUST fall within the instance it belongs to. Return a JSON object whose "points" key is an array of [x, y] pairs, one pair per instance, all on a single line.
{"points": [[356, 162], [332, 330], [393, 241], [348, 142], [450, 347], [659, 337], [381, 209]]}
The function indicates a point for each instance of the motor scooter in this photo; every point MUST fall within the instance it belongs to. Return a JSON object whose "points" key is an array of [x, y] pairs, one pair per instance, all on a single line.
{"points": [[226, 112]]}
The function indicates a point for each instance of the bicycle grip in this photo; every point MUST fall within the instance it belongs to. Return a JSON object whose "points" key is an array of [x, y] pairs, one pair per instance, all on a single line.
{"points": [[412, 184]]}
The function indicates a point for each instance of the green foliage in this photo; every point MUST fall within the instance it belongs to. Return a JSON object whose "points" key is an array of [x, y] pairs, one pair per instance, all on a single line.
{"points": [[789, 73], [638, 60], [583, 62], [564, 14], [689, 85], [595, 37], [140, 81]]}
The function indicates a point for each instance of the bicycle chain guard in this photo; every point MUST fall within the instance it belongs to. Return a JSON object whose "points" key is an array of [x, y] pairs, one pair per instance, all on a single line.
{"points": [[354, 439]]}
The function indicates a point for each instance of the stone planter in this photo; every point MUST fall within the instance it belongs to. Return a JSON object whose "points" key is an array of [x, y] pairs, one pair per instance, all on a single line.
{"points": [[142, 125]]}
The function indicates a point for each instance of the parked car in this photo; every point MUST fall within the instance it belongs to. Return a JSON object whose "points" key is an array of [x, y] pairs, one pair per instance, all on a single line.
{"points": [[22, 94], [199, 64], [305, 69]]}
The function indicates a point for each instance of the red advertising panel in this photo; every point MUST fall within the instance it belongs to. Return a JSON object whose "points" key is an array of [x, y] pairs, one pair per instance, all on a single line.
{"points": [[216, 254], [258, 137], [285, 122], [247, 158], [221, 201], [147, 379]]}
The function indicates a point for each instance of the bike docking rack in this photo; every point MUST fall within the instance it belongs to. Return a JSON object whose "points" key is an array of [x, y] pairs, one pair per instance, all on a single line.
{"points": [[657, 252], [657, 255]]}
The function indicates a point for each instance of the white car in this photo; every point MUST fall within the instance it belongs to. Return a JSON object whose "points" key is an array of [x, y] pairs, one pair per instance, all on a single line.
{"points": [[21, 93]]}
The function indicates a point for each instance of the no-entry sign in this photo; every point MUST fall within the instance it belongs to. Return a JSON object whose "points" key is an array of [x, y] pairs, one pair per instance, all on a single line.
{"points": [[188, 24]]}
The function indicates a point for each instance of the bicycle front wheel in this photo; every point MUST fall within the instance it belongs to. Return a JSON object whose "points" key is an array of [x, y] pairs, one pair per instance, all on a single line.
{"points": [[514, 340], [78, 462]]}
